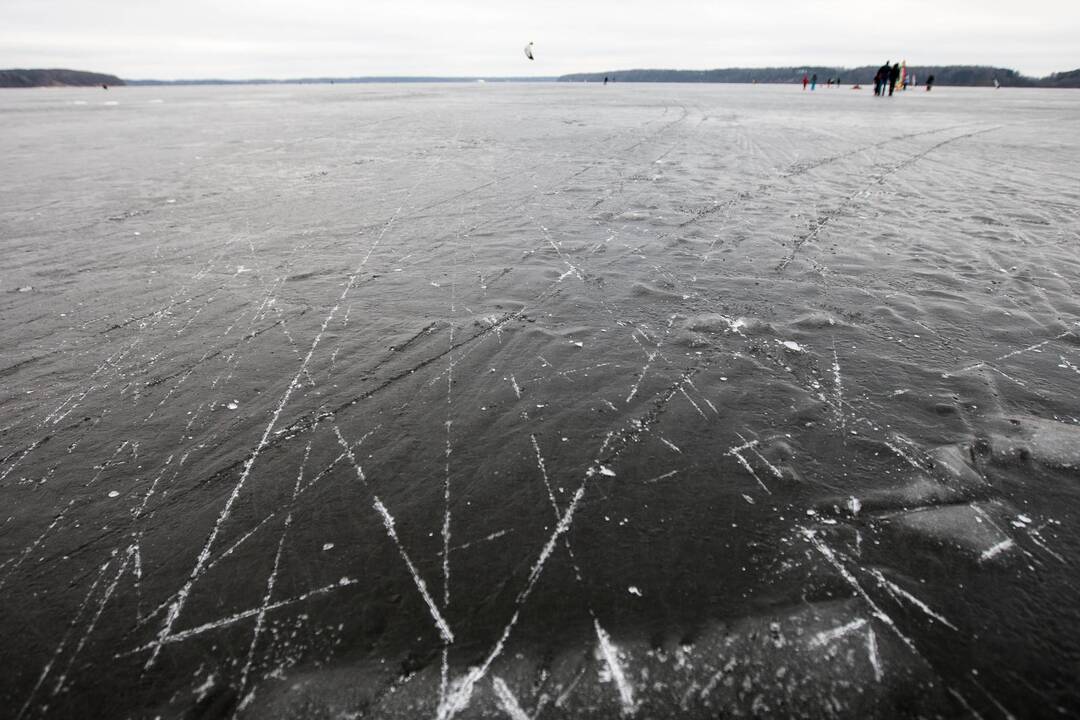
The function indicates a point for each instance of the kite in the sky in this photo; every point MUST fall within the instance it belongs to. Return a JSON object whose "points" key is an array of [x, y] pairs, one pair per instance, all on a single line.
{"points": [[528, 51]]}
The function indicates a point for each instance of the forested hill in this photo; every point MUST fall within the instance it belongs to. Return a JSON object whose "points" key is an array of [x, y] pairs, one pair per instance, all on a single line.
{"points": [[1070, 79], [54, 78], [973, 75]]}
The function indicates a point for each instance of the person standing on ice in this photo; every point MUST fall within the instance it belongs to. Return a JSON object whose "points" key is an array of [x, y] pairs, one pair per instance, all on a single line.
{"points": [[813, 82], [805, 80], [881, 79], [929, 82], [894, 75]]}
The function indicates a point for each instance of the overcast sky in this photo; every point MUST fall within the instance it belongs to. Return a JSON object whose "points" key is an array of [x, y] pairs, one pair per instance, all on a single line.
{"points": [[281, 39]]}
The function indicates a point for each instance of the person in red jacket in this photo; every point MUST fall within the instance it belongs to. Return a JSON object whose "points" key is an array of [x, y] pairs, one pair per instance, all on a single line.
{"points": [[805, 80]]}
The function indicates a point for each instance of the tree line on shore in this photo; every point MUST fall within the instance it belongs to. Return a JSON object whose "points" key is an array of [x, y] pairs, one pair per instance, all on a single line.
{"points": [[970, 75], [54, 77]]}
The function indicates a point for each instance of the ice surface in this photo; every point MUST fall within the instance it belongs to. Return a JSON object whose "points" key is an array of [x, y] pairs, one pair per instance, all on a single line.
{"points": [[539, 400]]}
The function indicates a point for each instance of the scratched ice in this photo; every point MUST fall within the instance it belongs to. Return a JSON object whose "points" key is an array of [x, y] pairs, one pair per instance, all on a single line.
{"points": [[670, 401]]}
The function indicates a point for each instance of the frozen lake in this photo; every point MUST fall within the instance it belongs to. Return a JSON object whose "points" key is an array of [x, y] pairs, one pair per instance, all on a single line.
{"points": [[539, 401]]}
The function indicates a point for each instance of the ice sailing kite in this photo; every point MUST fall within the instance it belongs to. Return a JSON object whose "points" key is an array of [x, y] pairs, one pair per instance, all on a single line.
{"points": [[528, 51]]}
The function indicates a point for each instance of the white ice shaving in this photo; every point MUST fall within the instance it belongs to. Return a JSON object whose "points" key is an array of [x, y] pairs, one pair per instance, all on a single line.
{"points": [[388, 523], [908, 457], [827, 636], [183, 635], [872, 651], [996, 549], [1014, 353], [507, 701], [696, 406], [900, 593], [736, 452], [610, 655], [880, 614], [772, 468], [665, 476], [669, 444], [839, 388]]}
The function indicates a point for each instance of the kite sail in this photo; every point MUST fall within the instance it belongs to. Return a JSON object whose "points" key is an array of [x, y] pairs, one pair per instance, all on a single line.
{"points": [[528, 51]]}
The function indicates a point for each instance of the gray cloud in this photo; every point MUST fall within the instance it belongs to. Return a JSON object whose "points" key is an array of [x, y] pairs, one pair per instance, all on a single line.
{"points": [[273, 38]]}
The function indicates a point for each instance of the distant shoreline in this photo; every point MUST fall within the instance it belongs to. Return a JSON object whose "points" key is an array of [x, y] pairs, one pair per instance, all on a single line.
{"points": [[346, 81], [954, 75], [948, 75], [36, 78]]}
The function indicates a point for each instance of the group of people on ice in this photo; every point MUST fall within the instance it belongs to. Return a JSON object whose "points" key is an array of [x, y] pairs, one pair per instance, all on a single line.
{"points": [[811, 80], [886, 79], [888, 76]]}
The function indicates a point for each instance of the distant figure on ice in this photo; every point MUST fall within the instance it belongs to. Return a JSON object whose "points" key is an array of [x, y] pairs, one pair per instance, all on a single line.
{"points": [[104, 86], [605, 79], [813, 82], [805, 80], [997, 85], [894, 75], [929, 82], [828, 82]]}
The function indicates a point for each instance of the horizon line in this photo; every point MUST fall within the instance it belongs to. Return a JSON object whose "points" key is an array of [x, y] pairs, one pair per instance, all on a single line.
{"points": [[508, 78], [398, 76]]}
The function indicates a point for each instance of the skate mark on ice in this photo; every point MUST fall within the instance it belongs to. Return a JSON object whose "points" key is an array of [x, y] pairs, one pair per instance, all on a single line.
{"points": [[389, 523], [196, 572], [461, 690]]}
